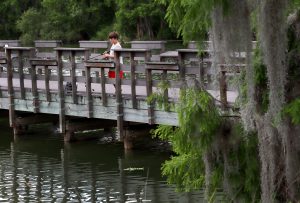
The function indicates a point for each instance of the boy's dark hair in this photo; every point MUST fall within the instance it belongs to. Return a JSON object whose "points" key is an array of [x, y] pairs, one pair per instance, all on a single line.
{"points": [[114, 35]]}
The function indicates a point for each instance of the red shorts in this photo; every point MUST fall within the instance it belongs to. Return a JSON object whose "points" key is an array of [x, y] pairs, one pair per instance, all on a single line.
{"points": [[112, 74]]}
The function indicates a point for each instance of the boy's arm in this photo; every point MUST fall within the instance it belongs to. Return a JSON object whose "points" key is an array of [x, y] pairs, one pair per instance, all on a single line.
{"points": [[108, 56]]}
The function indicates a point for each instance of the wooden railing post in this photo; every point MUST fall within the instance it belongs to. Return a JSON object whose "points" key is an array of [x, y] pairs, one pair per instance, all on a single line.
{"points": [[35, 100], [47, 86], [73, 78], [119, 100], [149, 93], [102, 65], [2, 61], [166, 94], [61, 94], [20, 51], [181, 68], [103, 89], [21, 73], [223, 89], [34, 62], [164, 67], [89, 92], [201, 69], [10, 89], [133, 81]]}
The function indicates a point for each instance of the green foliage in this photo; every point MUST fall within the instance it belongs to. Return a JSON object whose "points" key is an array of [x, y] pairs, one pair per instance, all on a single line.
{"points": [[103, 33], [69, 20], [260, 82], [260, 76], [294, 4], [10, 12], [198, 116], [240, 81], [293, 110], [294, 50], [243, 157], [30, 24], [141, 19], [164, 132], [73, 20], [159, 98], [185, 171], [191, 18], [200, 132], [198, 120]]}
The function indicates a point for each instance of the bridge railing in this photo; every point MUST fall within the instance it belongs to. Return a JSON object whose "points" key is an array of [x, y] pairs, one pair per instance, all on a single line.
{"points": [[10, 43], [136, 79], [23, 55], [192, 65], [44, 48], [95, 47], [164, 68], [69, 54]]}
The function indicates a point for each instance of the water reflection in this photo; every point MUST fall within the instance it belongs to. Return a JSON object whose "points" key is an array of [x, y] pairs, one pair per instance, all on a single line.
{"points": [[40, 168]]}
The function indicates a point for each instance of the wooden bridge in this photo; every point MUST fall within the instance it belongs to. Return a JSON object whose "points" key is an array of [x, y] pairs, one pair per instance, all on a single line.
{"points": [[31, 82]]}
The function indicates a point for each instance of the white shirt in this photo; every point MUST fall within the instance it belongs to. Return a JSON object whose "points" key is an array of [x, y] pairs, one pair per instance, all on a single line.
{"points": [[113, 47]]}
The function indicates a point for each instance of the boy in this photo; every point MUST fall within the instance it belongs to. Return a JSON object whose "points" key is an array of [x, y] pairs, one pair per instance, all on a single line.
{"points": [[115, 44]]}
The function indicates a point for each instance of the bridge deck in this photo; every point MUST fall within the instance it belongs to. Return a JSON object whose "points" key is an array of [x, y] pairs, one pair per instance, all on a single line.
{"points": [[109, 112], [173, 93]]}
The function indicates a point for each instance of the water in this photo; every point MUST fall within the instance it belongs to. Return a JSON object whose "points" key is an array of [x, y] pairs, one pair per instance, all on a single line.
{"points": [[39, 167]]}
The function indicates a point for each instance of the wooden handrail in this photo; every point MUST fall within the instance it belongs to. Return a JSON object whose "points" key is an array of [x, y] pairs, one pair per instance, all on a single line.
{"points": [[167, 66], [45, 63], [102, 64], [60, 51], [3, 61]]}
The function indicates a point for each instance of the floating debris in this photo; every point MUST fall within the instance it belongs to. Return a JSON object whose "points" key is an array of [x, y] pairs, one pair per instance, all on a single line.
{"points": [[129, 194], [133, 169]]}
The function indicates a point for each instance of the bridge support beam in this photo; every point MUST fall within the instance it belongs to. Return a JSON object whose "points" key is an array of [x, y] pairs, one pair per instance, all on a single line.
{"points": [[23, 120], [77, 125], [136, 135]]}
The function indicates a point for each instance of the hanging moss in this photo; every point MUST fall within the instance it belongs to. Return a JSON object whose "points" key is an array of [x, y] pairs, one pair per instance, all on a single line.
{"points": [[261, 82]]}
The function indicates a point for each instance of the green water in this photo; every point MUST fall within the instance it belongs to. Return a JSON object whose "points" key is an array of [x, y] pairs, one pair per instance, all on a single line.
{"points": [[39, 167]]}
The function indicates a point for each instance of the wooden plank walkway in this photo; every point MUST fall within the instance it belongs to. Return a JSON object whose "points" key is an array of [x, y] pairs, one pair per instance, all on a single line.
{"points": [[110, 89]]}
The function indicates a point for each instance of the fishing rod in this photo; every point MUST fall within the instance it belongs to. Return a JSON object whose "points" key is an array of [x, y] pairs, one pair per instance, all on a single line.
{"points": [[105, 52], [97, 55]]}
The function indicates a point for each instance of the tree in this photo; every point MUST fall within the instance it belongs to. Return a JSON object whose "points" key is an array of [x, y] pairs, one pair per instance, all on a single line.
{"points": [[70, 20], [74, 20], [274, 77], [31, 21], [10, 11], [141, 19]]}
